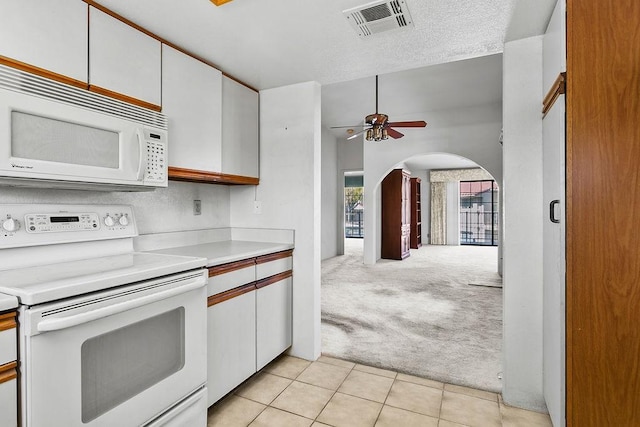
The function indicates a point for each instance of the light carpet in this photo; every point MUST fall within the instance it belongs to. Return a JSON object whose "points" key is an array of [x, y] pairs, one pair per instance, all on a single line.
{"points": [[418, 316]]}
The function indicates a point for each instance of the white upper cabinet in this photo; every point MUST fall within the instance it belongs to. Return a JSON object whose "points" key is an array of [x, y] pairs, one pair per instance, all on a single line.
{"points": [[51, 35], [123, 59], [240, 143], [192, 100]]}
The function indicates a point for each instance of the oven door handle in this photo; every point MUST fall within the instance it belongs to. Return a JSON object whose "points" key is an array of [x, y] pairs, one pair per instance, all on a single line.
{"points": [[88, 316]]}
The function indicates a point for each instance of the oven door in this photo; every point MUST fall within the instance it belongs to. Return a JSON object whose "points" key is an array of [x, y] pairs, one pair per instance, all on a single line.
{"points": [[118, 358]]}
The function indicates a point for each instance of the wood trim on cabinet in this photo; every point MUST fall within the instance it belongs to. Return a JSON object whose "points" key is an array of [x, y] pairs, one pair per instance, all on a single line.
{"points": [[193, 175], [274, 279], [232, 266], [125, 98], [8, 372], [163, 41], [8, 321], [274, 256], [227, 295], [558, 88], [22, 66]]}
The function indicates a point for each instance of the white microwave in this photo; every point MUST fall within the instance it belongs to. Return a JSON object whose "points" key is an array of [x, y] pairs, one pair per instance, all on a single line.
{"points": [[55, 135]]}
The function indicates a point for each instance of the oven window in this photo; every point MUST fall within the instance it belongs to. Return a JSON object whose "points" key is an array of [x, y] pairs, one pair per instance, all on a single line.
{"points": [[122, 363], [41, 138]]}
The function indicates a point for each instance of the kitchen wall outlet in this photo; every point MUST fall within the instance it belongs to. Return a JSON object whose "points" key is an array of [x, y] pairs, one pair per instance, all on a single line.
{"points": [[197, 207], [257, 207]]}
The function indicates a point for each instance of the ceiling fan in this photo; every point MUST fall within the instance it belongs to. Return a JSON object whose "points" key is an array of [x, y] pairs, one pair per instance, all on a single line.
{"points": [[377, 126]]}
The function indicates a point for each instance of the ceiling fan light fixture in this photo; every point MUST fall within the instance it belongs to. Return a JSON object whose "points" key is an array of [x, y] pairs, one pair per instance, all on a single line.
{"points": [[369, 136]]}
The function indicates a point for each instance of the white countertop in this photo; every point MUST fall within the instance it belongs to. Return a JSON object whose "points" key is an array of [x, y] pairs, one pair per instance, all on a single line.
{"points": [[8, 302], [226, 251]]}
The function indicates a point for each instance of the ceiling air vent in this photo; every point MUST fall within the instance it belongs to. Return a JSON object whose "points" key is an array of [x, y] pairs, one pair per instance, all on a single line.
{"points": [[379, 17]]}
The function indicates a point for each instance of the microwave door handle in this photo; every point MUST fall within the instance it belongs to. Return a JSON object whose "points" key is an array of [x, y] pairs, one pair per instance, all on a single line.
{"points": [[78, 319], [142, 165]]}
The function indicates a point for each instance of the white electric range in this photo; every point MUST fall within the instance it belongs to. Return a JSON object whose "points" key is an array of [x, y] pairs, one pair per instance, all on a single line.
{"points": [[107, 336]]}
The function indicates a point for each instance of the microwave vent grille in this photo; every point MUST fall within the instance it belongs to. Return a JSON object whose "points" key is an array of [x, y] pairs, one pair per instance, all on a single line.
{"points": [[20, 81]]}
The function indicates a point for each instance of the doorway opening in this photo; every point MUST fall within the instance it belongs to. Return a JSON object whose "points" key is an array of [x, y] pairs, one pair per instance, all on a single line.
{"points": [[353, 205], [479, 213]]}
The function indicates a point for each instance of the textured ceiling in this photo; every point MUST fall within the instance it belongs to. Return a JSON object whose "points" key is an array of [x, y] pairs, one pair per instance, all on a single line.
{"points": [[279, 42]]}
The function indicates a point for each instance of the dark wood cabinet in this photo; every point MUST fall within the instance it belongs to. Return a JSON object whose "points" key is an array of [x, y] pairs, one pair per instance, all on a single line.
{"points": [[416, 214], [396, 214], [603, 213]]}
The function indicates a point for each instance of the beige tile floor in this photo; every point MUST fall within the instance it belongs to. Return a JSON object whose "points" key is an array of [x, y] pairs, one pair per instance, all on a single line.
{"points": [[292, 392]]}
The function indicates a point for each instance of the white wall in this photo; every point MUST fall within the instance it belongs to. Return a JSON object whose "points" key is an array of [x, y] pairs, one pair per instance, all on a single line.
{"points": [[453, 213], [349, 160], [470, 132], [166, 209], [330, 186], [290, 174], [522, 223]]}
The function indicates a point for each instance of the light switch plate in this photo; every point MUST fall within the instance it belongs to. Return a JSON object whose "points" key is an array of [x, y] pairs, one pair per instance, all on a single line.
{"points": [[197, 207], [257, 207]]}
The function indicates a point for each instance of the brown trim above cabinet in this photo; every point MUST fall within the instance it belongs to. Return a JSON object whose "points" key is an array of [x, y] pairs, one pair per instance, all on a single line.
{"points": [[124, 98], [8, 372], [559, 88], [275, 256], [22, 66], [273, 279], [232, 266], [8, 321], [232, 293], [193, 175]]}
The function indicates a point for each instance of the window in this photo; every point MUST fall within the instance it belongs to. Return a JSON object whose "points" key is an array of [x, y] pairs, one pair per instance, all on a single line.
{"points": [[479, 213]]}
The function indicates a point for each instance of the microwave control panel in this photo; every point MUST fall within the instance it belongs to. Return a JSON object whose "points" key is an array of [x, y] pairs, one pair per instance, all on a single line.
{"points": [[157, 158]]}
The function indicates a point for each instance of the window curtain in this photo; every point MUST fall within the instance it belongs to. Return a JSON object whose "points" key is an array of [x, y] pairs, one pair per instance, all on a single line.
{"points": [[438, 213]]}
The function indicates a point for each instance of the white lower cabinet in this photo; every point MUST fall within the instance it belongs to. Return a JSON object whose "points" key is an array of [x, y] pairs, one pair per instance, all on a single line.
{"points": [[273, 321], [231, 327], [9, 403], [248, 322]]}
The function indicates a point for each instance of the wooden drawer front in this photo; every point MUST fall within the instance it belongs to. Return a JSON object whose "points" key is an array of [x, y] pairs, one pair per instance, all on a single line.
{"points": [[8, 402], [270, 268], [229, 276], [8, 344]]}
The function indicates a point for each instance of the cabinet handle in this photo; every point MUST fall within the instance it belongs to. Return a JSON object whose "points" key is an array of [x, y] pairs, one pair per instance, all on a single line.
{"points": [[552, 211]]}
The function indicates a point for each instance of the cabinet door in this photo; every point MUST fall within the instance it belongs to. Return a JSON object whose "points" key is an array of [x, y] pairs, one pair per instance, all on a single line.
{"points": [[231, 344], [51, 35], [123, 60], [8, 402], [273, 317], [554, 244], [240, 144], [192, 101]]}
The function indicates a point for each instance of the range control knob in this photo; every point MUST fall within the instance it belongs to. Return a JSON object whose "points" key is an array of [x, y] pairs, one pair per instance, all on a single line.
{"points": [[124, 220], [10, 225], [109, 221]]}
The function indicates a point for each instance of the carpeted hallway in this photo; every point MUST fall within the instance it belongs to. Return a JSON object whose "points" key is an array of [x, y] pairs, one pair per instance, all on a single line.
{"points": [[418, 316]]}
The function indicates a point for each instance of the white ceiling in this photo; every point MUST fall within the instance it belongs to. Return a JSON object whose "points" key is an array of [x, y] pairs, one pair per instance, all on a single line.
{"points": [[439, 161], [412, 94], [279, 42]]}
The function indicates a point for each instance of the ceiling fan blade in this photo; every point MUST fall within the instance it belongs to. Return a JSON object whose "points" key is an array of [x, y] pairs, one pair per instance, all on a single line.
{"points": [[394, 133], [413, 124], [349, 127], [357, 134]]}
